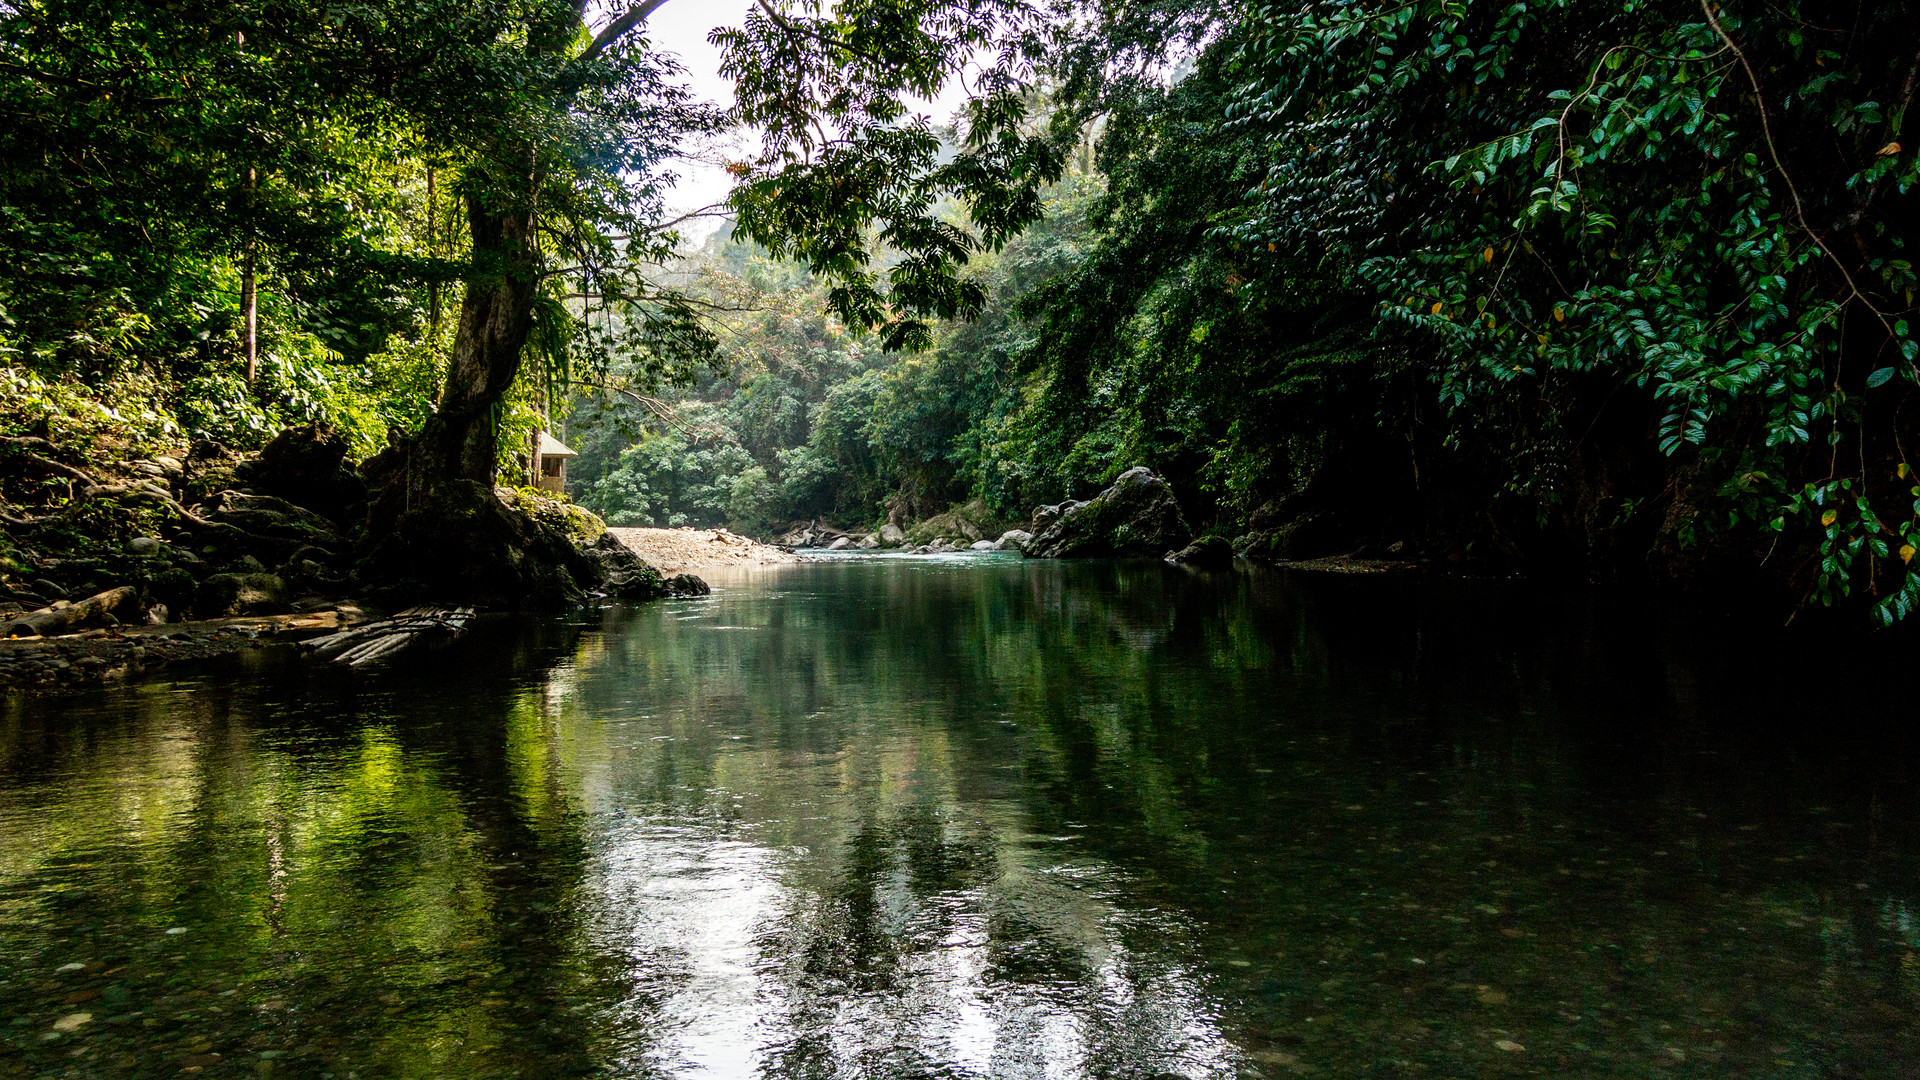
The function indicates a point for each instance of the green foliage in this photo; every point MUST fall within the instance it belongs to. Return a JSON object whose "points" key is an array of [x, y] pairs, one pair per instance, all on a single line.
{"points": [[1475, 269], [816, 422], [847, 170], [155, 157], [1533, 194]]}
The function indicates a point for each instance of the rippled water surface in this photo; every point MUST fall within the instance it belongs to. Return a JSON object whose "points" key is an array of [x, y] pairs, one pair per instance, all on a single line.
{"points": [[973, 817]]}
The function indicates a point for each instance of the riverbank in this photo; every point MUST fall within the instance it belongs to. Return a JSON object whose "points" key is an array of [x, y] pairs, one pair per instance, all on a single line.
{"points": [[680, 551], [110, 654]]}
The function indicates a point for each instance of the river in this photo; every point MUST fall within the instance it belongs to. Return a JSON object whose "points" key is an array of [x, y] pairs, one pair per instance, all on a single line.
{"points": [[971, 816]]}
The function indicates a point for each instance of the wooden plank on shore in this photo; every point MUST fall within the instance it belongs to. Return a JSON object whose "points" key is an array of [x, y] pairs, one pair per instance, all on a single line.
{"points": [[384, 637]]}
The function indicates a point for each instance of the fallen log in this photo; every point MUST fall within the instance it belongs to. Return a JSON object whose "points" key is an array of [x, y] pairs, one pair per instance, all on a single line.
{"points": [[113, 606], [385, 637]]}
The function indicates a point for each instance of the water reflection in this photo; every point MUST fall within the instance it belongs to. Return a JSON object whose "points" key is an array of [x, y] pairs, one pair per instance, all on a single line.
{"points": [[975, 817]]}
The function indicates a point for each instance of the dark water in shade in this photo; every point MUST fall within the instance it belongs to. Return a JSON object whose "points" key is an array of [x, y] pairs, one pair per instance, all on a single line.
{"points": [[970, 817]]}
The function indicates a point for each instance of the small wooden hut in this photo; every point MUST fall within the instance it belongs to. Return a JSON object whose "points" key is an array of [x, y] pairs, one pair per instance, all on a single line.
{"points": [[550, 463]]}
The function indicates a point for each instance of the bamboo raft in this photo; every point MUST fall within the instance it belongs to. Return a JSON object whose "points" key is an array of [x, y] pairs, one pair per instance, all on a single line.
{"points": [[385, 637]]}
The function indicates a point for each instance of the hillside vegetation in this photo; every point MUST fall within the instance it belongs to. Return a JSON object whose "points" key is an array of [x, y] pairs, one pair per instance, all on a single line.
{"points": [[1615, 290]]}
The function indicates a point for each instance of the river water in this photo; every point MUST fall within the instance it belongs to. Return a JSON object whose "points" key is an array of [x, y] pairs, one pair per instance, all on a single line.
{"points": [[971, 816]]}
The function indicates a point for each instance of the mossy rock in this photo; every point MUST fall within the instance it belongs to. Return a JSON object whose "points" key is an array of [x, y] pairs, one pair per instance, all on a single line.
{"points": [[624, 573], [578, 523], [1136, 516], [174, 588], [1205, 553], [1307, 536], [266, 515], [970, 521], [466, 543]]}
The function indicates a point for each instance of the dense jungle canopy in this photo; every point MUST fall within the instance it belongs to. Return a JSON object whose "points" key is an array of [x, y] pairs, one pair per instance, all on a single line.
{"points": [[1607, 288]]}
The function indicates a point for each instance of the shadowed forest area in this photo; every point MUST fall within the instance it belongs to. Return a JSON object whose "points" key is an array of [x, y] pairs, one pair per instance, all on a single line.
{"points": [[1609, 291]]}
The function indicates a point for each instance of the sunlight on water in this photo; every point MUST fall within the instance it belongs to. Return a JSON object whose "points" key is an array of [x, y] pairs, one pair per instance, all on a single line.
{"points": [[973, 817]]}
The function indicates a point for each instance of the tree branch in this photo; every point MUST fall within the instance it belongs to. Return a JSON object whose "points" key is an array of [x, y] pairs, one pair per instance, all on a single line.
{"points": [[635, 15], [1766, 133], [661, 410]]}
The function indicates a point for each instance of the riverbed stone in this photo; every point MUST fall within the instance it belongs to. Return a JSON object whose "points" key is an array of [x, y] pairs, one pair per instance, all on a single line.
{"points": [[892, 535], [625, 574], [1206, 553], [1015, 540], [1137, 516], [687, 585]]}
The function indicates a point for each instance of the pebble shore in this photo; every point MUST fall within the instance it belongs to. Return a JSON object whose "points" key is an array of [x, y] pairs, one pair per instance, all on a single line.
{"points": [[104, 655]]}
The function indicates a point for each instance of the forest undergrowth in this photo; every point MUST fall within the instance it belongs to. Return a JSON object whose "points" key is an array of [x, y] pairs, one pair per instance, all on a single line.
{"points": [[1615, 292]]}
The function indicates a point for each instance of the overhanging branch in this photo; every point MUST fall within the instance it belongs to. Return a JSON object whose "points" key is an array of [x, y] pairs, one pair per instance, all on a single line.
{"points": [[635, 15]]}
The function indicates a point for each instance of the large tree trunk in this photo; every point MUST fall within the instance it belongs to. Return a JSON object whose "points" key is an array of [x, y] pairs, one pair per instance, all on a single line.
{"points": [[495, 317], [436, 528]]}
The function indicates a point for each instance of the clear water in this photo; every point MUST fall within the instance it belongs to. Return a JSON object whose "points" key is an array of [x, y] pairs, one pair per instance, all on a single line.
{"points": [[972, 817]]}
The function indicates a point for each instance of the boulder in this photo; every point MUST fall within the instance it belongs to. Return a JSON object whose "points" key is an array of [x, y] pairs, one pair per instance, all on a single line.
{"points": [[270, 516], [1015, 540], [173, 589], [969, 522], [145, 546], [306, 575], [892, 535], [867, 543], [1206, 553], [623, 572], [578, 523], [308, 466], [1136, 516], [984, 545], [1276, 537], [460, 543], [840, 543], [222, 595], [1045, 516], [687, 585]]}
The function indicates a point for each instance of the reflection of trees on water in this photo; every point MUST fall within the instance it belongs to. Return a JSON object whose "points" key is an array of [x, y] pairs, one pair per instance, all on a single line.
{"points": [[836, 879], [1394, 813], [372, 875], [1061, 820]]}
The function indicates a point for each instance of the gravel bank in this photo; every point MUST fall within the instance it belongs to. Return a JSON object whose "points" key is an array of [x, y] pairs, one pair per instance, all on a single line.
{"points": [[679, 551]]}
